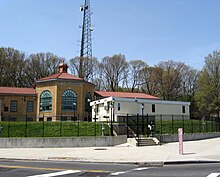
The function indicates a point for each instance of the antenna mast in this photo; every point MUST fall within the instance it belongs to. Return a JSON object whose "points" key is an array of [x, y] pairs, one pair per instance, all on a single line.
{"points": [[86, 41]]}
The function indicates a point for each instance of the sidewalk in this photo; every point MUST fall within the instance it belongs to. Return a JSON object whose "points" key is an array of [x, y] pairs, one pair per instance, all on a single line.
{"points": [[202, 150]]}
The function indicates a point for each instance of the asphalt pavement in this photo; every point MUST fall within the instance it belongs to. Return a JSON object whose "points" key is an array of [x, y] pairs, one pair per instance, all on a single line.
{"points": [[193, 151]]}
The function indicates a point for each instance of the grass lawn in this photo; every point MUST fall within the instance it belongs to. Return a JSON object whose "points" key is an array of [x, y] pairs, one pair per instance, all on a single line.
{"points": [[171, 127], [52, 129], [75, 129], [189, 126]]}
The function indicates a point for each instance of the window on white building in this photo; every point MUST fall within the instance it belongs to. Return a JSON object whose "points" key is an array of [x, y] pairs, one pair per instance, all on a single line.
{"points": [[183, 109], [153, 108], [119, 106]]}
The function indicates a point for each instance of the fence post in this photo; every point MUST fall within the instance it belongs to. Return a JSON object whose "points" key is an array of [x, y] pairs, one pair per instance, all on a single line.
{"points": [[147, 126], [183, 124], [200, 125], [172, 124], [143, 123], [9, 119], [218, 126], [60, 125], [191, 125], [137, 125], [25, 126], [161, 125], [78, 126], [43, 127], [127, 126], [206, 125], [212, 124]]}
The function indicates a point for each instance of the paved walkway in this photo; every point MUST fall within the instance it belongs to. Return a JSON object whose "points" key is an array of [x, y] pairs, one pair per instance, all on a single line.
{"points": [[203, 150]]}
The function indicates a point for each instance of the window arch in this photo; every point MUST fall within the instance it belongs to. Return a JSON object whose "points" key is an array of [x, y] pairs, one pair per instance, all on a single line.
{"points": [[88, 99], [69, 100], [46, 101]]}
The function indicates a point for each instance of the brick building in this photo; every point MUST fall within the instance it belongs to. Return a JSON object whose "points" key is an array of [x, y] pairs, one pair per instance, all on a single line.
{"points": [[60, 96]]}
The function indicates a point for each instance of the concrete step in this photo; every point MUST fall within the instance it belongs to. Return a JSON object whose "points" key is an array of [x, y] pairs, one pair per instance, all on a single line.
{"points": [[148, 142]]}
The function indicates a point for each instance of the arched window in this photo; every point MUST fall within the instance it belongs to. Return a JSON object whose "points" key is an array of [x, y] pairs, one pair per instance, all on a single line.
{"points": [[88, 99], [46, 101], [69, 100]]}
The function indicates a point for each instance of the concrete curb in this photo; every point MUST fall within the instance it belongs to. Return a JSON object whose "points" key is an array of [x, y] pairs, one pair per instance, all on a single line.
{"points": [[140, 164]]}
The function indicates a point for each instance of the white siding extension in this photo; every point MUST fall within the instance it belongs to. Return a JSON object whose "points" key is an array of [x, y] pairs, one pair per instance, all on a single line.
{"points": [[137, 106]]}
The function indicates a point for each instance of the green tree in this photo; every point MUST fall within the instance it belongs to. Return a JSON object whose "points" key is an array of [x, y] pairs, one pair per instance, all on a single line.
{"points": [[208, 94], [170, 85]]}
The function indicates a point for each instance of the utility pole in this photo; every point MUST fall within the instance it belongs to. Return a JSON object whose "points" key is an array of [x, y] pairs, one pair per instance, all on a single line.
{"points": [[86, 40]]}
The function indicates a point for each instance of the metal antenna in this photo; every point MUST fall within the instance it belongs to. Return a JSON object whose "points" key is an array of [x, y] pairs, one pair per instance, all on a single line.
{"points": [[86, 41]]}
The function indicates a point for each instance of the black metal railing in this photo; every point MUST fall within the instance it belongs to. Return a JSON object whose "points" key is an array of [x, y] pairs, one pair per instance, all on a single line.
{"points": [[62, 127], [160, 124]]}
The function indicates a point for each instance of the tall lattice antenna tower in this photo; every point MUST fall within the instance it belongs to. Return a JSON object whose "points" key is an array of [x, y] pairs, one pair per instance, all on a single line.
{"points": [[86, 41]]}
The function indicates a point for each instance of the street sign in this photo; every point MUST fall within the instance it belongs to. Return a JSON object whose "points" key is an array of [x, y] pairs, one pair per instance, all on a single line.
{"points": [[180, 135]]}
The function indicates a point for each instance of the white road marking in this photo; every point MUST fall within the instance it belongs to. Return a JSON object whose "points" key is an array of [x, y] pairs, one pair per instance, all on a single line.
{"points": [[57, 173], [139, 169], [119, 173], [213, 175], [123, 172]]}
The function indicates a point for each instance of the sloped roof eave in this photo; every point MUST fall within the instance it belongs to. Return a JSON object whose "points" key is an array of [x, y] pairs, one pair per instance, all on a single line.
{"points": [[20, 94], [17, 91], [126, 95], [63, 79]]}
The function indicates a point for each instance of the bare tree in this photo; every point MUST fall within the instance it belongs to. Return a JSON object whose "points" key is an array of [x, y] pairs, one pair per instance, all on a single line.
{"points": [[41, 65], [151, 79], [113, 70], [189, 82], [164, 80], [133, 78], [11, 67], [83, 67]]}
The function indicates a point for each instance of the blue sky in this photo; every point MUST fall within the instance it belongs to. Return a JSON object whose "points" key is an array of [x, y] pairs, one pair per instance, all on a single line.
{"points": [[150, 30]]}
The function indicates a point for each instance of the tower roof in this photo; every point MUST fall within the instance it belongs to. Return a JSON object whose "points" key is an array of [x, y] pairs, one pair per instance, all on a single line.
{"points": [[60, 75]]}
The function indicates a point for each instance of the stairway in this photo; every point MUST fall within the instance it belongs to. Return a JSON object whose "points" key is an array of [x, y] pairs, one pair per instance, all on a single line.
{"points": [[147, 141]]}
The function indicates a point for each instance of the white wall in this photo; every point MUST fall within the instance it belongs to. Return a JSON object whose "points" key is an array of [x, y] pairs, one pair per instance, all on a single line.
{"points": [[134, 107]]}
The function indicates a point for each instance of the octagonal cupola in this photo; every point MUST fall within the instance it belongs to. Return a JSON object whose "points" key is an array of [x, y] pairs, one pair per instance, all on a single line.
{"points": [[63, 67]]}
